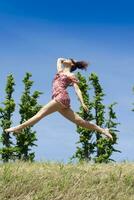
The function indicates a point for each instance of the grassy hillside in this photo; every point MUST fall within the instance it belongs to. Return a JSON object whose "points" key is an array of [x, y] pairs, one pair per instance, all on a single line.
{"points": [[58, 181]]}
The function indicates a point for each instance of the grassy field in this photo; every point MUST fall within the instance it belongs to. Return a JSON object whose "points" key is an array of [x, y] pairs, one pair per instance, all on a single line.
{"points": [[58, 181]]}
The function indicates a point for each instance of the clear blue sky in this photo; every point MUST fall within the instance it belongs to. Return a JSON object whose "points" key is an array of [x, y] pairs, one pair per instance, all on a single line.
{"points": [[33, 34]]}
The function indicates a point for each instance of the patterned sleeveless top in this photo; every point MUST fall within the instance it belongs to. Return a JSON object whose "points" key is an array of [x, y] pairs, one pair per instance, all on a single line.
{"points": [[59, 84]]}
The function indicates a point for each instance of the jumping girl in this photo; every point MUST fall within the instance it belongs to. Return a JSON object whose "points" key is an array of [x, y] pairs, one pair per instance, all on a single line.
{"points": [[60, 99]]}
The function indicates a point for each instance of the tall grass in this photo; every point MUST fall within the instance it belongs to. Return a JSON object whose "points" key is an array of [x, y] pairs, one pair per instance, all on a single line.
{"points": [[57, 181]]}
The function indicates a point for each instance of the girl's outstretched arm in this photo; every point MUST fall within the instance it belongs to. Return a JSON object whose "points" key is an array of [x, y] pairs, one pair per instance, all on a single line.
{"points": [[79, 94]]}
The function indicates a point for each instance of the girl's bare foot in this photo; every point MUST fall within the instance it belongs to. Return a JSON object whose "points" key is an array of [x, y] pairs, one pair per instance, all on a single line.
{"points": [[12, 129], [107, 133]]}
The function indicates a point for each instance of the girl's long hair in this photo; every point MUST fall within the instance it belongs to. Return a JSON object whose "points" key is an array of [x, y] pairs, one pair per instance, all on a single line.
{"points": [[79, 64]]}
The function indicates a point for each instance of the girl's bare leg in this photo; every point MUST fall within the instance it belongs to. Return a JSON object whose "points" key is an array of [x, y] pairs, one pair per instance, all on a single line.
{"points": [[49, 108], [75, 118]]}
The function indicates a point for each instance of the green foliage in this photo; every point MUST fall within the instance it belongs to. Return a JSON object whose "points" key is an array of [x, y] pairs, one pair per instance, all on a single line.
{"points": [[104, 146], [100, 149], [87, 149], [7, 151], [28, 108]]}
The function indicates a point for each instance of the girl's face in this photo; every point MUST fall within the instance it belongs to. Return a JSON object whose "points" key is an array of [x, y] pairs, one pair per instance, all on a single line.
{"points": [[68, 62]]}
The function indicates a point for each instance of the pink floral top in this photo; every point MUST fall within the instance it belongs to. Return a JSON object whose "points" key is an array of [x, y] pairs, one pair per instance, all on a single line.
{"points": [[59, 84]]}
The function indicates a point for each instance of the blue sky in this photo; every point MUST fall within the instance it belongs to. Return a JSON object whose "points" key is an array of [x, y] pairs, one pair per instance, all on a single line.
{"points": [[33, 34]]}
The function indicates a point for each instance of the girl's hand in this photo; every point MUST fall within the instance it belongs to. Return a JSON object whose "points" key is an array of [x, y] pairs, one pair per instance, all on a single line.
{"points": [[85, 107], [61, 59]]}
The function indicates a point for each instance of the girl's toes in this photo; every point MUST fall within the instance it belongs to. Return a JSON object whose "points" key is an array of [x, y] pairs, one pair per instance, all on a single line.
{"points": [[10, 130], [7, 130]]}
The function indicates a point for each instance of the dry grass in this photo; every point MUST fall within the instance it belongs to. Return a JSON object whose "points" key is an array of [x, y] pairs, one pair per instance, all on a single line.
{"points": [[58, 181]]}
